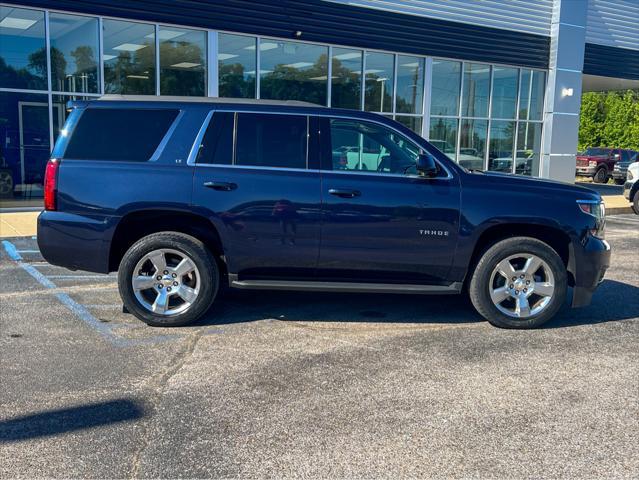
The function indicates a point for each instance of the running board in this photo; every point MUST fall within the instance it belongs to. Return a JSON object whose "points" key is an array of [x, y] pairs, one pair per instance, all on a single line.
{"points": [[454, 287]]}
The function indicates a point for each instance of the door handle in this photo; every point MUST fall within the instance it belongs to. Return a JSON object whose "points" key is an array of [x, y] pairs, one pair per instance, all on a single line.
{"points": [[338, 192], [221, 186]]}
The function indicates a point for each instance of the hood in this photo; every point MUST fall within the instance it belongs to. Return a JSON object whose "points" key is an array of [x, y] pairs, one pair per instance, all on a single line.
{"points": [[510, 181]]}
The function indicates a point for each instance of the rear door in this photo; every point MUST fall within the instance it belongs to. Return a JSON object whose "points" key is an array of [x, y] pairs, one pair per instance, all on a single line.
{"points": [[254, 181], [382, 222]]}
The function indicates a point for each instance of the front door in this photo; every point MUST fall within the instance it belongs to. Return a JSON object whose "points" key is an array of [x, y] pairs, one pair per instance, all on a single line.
{"points": [[381, 221], [258, 189]]}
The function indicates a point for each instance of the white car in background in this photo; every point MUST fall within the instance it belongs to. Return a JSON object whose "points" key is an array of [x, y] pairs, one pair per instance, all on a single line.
{"points": [[631, 187]]}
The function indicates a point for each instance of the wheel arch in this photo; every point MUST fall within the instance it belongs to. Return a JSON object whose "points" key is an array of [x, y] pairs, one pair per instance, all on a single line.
{"points": [[556, 238], [137, 224]]}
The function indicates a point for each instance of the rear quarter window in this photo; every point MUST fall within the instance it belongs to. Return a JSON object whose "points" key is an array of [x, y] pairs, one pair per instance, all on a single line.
{"points": [[121, 134]]}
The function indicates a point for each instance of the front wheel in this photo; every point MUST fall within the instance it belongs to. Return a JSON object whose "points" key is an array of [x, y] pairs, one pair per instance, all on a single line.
{"points": [[619, 181], [520, 282], [601, 176], [168, 279], [635, 203]]}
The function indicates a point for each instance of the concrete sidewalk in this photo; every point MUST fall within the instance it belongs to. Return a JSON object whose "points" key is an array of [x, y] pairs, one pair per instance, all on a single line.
{"points": [[23, 224], [18, 224]]}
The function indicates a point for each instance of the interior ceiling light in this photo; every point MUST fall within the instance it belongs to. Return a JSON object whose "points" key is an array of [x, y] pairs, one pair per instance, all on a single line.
{"points": [[17, 23], [225, 56], [164, 34], [129, 47], [298, 64], [186, 65], [348, 56]]}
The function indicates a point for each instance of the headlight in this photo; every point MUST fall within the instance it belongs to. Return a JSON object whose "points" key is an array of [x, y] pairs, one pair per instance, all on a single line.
{"points": [[597, 209], [592, 163], [629, 175]]}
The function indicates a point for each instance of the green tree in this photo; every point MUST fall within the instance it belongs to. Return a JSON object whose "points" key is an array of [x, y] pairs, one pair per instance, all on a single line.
{"points": [[609, 119]]}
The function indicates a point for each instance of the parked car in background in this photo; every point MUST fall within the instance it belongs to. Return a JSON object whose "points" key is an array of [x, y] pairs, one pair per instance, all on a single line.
{"points": [[621, 167], [631, 187], [599, 163], [185, 195]]}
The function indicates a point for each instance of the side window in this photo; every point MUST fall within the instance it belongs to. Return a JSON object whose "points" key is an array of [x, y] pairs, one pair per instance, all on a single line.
{"points": [[364, 146], [625, 155], [268, 140], [123, 134], [217, 144]]}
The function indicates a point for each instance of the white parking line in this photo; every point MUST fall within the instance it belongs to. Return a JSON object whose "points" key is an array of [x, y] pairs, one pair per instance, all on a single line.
{"points": [[104, 329]]}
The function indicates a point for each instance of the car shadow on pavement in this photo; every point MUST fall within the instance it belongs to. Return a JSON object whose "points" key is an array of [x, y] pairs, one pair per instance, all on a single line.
{"points": [[248, 306], [612, 301], [54, 422]]}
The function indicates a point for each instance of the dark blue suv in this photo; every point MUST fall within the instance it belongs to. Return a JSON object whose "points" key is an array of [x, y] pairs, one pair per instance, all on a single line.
{"points": [[185, 196]]}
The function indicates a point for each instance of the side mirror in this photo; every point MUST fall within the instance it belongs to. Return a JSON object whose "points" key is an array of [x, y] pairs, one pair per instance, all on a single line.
{"points": [[426, 166], [616, 156]]}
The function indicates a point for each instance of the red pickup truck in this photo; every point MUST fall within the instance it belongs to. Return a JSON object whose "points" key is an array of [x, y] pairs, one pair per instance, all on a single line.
{"points": [[598, 162]]}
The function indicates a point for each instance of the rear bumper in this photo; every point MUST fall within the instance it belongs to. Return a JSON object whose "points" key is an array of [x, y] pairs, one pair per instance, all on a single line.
{"points": [[74, 241], [588, 264]]}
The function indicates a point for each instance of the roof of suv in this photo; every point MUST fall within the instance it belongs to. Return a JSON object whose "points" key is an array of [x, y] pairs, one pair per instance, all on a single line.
{"points": [[216, 100]]}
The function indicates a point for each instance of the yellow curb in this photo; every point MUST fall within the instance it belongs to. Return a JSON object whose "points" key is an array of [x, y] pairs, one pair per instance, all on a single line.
{"points": [[18, 224]]}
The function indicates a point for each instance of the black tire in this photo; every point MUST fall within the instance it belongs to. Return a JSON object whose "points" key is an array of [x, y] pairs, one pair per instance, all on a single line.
{"points": [[601, 175], [619, 181], [187, 245], [635, 203], [480, 282]]}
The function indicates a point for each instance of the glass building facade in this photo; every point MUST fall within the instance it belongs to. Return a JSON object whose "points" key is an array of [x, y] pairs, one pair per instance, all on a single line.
{"points": [[484, 116]]}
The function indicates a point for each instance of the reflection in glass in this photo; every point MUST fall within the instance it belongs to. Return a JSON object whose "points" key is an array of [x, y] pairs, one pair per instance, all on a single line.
{"points": [[378, 87], [443, 135], [500, 151], [414, 123], [505, 82], [74, 53], [531, 96], [445, 88], [60, 112], [236, 65], [293, 71], [410, 84], [23, 59], [182, 61], [472, 143], [346, 80], [528, 148], [475, 90], [24, 145], [129, 57]]}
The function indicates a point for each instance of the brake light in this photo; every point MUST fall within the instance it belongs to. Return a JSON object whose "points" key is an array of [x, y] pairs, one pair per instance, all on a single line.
{"points": [[51, 184]]}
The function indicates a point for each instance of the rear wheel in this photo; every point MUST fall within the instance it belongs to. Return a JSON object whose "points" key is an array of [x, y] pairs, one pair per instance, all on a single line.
{"points": [[601, 175], [168, 279], [519, 283]]}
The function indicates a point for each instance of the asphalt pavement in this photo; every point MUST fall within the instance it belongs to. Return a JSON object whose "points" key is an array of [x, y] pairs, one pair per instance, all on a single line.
{"points": [[314, 385]]}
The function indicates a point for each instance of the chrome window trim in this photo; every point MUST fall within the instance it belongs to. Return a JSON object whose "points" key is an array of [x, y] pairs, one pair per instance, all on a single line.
{"points": [[167, 136], [198, 141]]}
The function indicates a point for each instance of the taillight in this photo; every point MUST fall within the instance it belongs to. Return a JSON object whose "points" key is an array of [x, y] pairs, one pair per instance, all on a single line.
{"points": [[51, 184]]}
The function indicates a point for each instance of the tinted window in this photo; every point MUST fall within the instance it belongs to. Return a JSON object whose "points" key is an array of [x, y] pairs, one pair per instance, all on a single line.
{"points": [[118, 134], [625, 155], [217, 145], [597, 152], [364, 146], [271, 140]]}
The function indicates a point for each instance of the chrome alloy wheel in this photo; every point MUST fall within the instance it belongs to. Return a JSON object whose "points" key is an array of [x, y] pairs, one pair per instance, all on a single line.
{"points": [[522, 285], [166, 282]]}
